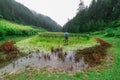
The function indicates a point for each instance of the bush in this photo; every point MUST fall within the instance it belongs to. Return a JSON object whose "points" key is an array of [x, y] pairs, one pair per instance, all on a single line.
{"points": [[1, 16], [115, 24], [112, 32], [7, 47], [10, 49], [2, 33]]}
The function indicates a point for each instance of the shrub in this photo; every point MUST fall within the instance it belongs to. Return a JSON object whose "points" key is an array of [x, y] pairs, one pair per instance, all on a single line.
{"points": [[115, 24], [1, 16], [7, 47], [2, 33], [112, 32]]}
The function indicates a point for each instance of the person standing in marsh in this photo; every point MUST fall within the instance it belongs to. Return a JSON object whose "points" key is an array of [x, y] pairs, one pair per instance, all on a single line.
{"points": [[66, 38]]}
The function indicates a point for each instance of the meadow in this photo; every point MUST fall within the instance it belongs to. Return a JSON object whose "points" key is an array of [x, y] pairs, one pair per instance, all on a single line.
{"points": [[108, 70], [43, 41]]}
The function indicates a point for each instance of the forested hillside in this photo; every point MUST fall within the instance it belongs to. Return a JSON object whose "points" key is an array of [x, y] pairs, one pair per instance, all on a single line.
{"points": [[16, 12], [95, 17]]}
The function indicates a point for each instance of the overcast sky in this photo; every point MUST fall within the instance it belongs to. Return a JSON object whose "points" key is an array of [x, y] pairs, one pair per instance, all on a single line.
{"points": [[58, 10]]}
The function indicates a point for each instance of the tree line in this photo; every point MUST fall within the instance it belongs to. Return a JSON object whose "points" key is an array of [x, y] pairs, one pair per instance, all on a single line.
{"points": [[95, 17], [16, 12]]}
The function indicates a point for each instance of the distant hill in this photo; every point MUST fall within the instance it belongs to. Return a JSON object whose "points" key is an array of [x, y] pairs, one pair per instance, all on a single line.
{"points": [[14, 11]]}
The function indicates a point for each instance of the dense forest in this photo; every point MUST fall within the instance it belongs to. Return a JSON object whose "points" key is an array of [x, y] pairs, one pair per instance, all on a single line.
{"points": [[96, 17], [16, 12]]}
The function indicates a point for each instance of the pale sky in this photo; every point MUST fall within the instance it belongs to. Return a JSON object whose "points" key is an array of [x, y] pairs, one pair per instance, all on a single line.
{"points": [[58, 10]]}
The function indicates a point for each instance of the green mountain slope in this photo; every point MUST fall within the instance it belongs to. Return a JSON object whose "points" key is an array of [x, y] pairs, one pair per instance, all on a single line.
{"points": [[14, 11], [10, 29]]}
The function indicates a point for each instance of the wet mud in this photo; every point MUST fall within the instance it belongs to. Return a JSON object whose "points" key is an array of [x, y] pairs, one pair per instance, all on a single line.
{"points": [[67, 61]]}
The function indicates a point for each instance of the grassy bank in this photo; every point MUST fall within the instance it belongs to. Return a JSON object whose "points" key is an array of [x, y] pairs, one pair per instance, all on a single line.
{"points": [[11, 29]]}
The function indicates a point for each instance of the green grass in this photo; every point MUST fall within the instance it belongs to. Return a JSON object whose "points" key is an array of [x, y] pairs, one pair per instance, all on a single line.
{"points": [[9, 29], [105, 71], [108, 70], [13, 38], [42, 76], [44, 41]]}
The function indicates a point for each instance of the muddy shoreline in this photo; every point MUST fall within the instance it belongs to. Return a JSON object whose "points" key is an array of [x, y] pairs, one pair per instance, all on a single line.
{"points": [[41, 60]]}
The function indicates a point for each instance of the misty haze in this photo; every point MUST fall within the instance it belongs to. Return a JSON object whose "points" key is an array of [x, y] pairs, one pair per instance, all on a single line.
{"points": [[59, 39]]}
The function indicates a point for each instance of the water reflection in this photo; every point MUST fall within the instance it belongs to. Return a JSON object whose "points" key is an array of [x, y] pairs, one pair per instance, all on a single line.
{"points": [[45, 60]]}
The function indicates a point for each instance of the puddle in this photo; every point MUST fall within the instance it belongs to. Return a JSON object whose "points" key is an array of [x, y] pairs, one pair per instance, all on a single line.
{"points": [[66, 62], [70, 61]]}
